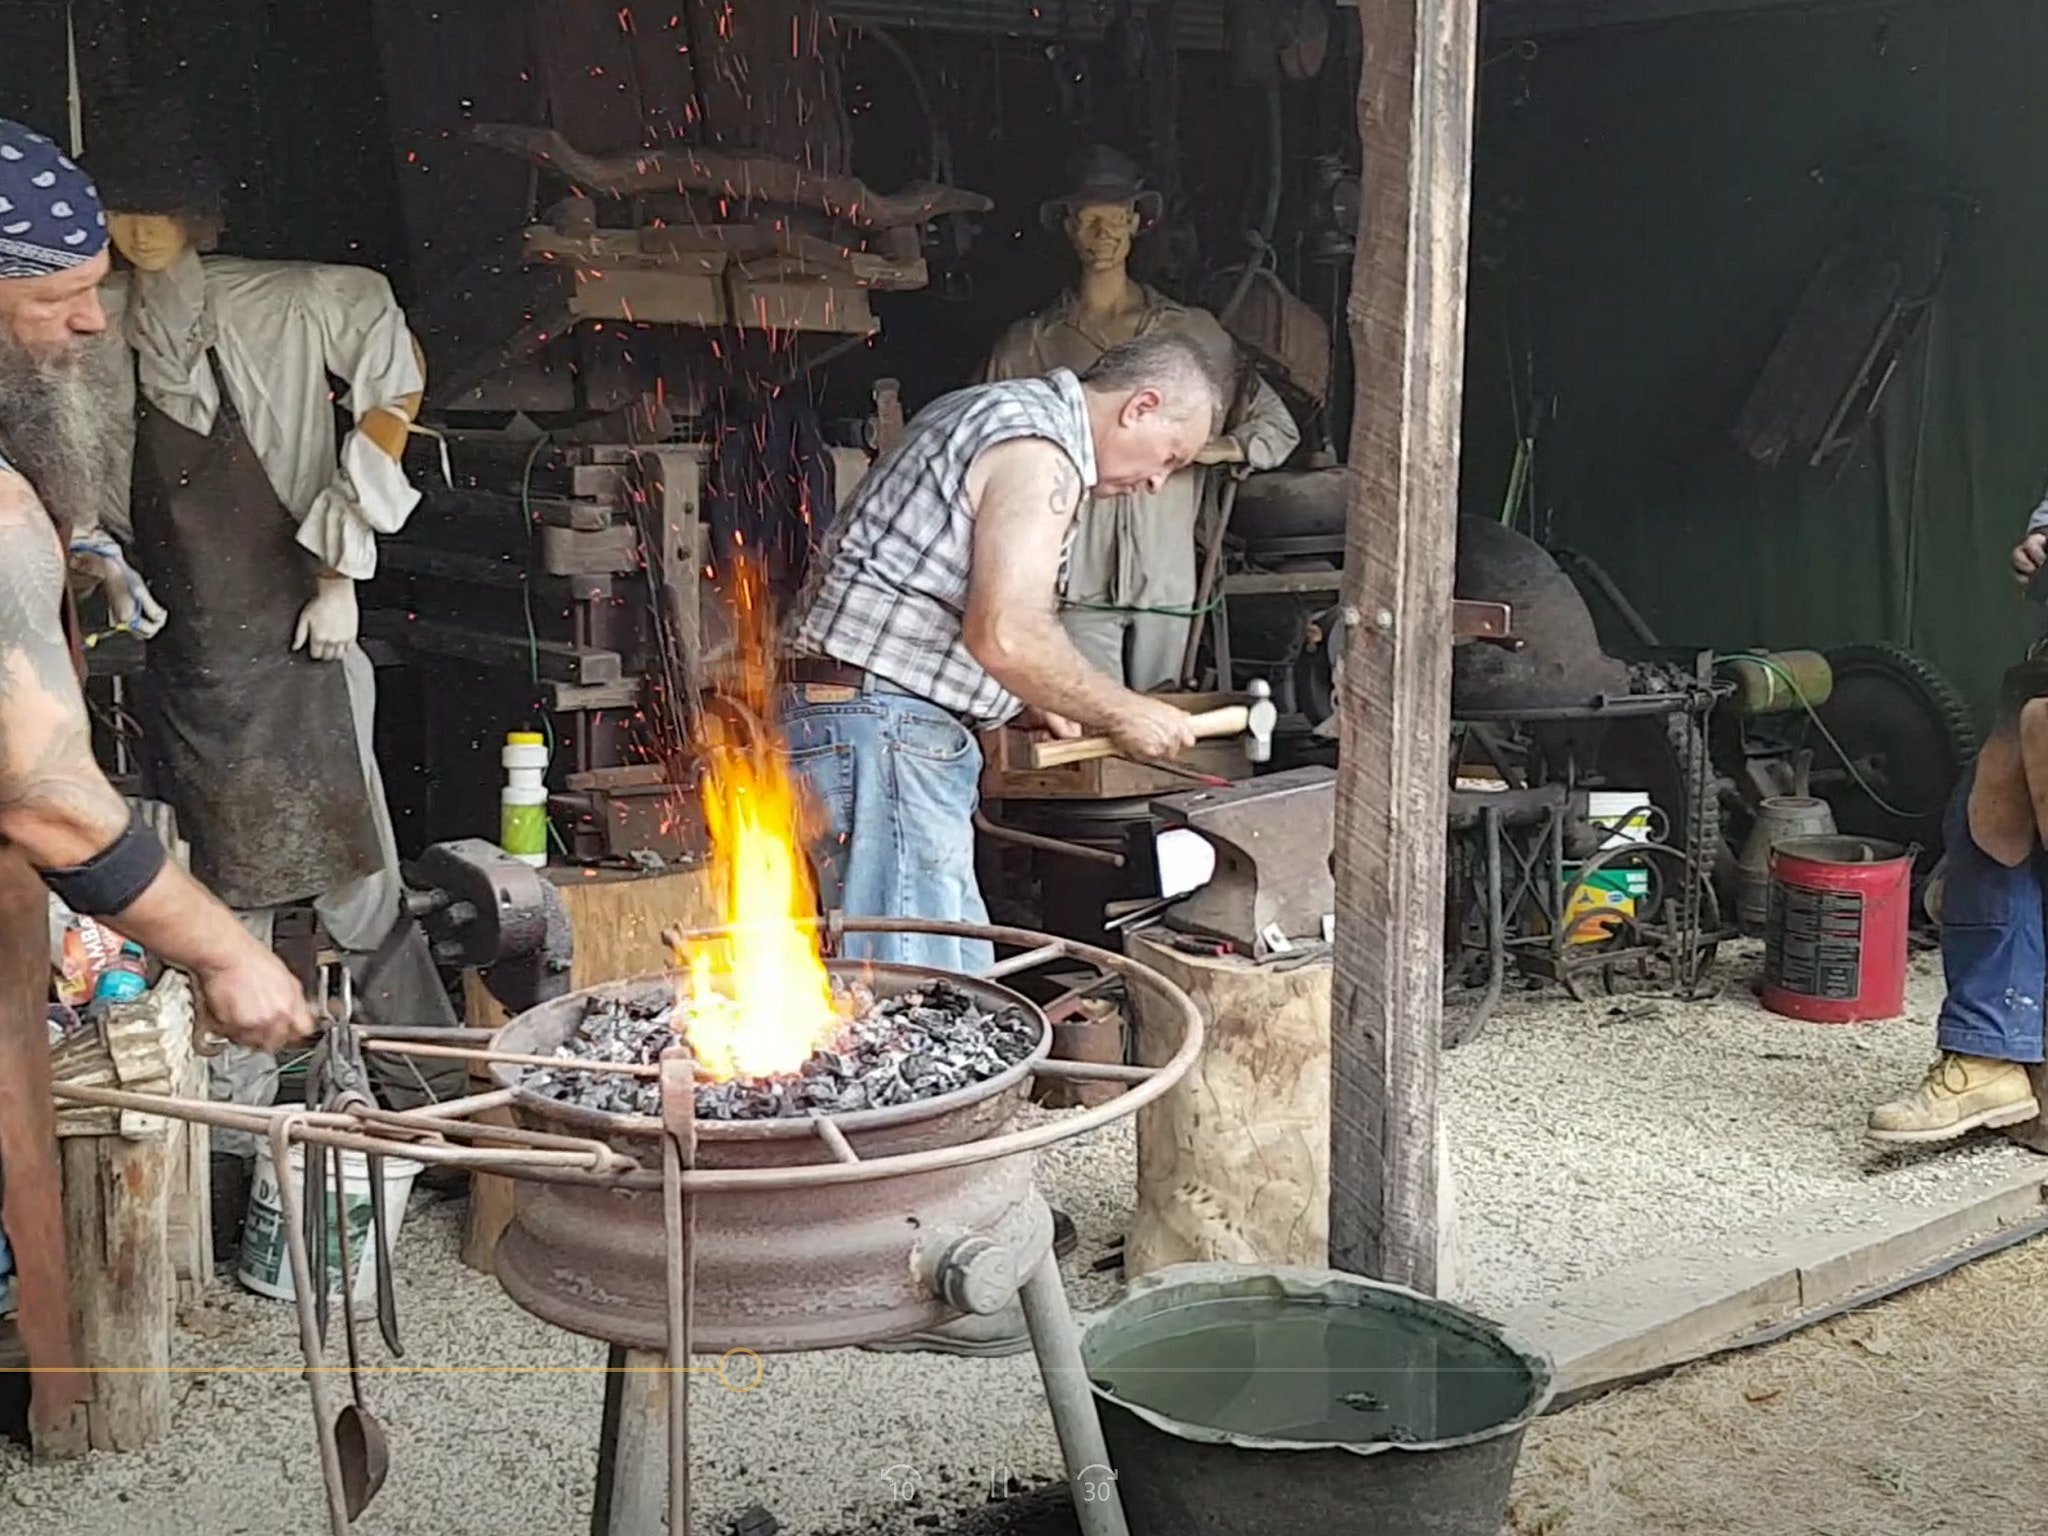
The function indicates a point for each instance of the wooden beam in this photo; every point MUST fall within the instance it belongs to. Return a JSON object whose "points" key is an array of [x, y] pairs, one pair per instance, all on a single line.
{"points": [[1407, 326]]}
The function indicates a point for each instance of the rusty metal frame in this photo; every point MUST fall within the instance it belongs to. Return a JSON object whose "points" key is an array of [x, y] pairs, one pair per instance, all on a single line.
{"points": [[444, 1135]]}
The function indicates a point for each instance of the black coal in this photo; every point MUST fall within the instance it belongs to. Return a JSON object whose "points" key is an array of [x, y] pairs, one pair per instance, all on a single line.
{"points": [[916, 1045]]}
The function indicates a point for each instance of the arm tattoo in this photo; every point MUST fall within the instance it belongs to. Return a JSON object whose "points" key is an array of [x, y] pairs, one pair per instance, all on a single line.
{"points": [[1065, 495], [45, 736]]}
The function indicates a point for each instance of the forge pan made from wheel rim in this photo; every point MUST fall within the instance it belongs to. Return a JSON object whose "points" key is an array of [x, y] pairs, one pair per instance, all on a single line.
{"points": [[811, 1267]]}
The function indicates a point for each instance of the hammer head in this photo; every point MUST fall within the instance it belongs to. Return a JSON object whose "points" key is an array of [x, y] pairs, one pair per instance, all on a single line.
{"points": [[1260, 718]]}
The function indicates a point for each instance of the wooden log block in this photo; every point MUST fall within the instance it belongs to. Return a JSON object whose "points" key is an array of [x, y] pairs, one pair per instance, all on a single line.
{"points": [[1234, 1163], [116, 1206], [617, 918]]}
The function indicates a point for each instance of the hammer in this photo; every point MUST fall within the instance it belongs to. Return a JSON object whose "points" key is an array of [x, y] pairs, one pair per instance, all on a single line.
{"points": [[1254, 721]]}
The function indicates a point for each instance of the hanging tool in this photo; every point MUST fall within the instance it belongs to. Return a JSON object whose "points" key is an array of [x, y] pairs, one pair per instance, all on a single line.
{"points": [[360, 1444]]}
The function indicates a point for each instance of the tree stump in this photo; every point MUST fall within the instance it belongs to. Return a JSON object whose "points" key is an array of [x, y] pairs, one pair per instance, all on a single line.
{"points": [[1234, 1163]]}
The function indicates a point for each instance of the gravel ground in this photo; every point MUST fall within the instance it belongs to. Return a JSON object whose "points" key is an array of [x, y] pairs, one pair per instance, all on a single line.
{"points": [[1585, 1139]]}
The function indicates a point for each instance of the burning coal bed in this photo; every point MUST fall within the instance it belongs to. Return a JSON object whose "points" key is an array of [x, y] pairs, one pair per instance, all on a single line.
{"points": [[916, 1045]]}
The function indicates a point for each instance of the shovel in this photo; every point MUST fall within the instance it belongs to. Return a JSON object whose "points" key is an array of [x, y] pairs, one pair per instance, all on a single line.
{"points": [[359, 1439]]}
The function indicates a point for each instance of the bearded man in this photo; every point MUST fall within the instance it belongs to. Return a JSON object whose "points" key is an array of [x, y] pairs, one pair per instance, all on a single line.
{"points": [[63, 827]]}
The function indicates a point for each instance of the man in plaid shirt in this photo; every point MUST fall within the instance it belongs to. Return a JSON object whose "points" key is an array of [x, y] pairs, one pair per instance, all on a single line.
{"points": [[932, 613]]}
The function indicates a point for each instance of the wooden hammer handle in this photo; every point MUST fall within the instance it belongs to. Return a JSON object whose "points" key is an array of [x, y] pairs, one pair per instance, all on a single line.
{"points": [[1231, 720]]}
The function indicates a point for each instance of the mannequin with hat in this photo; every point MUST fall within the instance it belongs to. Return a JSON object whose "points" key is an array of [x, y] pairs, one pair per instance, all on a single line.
{"points": [[251, 527], [1131, 578]]}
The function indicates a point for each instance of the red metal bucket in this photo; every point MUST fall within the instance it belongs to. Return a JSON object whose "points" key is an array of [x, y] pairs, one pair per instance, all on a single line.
{"points": [[1835, 940]]}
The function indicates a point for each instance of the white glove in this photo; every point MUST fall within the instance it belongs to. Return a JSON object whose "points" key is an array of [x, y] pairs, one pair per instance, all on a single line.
{"points": [[130, 605], [327, 625]]}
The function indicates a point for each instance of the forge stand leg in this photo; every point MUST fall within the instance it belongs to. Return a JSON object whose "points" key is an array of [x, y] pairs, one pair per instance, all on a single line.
{"points": [[1057, 1343], [632, 1446]]}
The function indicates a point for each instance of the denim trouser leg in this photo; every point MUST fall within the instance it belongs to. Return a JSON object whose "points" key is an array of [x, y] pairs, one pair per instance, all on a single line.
{"points": [[1994, 947], [897, 780]]}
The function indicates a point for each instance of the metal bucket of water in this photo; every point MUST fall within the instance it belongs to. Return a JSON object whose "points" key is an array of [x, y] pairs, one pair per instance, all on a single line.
{"points": [[1253, 1400]]}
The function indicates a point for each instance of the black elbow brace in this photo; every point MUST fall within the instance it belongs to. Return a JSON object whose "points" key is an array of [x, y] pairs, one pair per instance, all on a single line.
{"points": [[108, 883]]}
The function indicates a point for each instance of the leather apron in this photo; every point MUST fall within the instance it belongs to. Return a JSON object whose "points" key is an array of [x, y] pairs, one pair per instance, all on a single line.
{"points": [[31, 1185], [252, 742]]}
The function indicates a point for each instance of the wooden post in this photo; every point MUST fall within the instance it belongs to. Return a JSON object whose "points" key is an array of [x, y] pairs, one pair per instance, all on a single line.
{"points": [[1407, 325]]}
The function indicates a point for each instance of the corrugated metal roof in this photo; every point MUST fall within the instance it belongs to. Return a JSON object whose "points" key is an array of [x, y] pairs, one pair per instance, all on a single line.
{"points": [[1199, 22]]}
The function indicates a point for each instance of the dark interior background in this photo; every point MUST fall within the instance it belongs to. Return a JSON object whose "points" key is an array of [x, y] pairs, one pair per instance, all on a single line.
{"points": [[1650, 202]]}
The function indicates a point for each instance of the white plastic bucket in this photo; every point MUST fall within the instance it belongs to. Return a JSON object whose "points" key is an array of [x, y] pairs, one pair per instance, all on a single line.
{"points": [[265, 1266]]}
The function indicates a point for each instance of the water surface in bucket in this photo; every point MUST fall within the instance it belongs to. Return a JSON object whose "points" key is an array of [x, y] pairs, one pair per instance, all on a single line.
{"points": [[1307, 1369]]}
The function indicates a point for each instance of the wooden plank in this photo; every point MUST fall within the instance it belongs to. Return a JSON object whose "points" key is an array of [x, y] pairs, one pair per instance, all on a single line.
{"points": [[674, 478], [557, 660], [565, 698], [599, 552], [1407, 320], [508, 507], [652, 298], [1683, 1306]]}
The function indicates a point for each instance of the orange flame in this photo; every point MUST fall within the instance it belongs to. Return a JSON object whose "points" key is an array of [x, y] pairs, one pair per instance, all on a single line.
{"points": [[757, 1001]]}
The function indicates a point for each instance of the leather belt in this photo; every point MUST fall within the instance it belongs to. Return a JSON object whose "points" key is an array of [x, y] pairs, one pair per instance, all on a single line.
{"points": [[826, 670]]}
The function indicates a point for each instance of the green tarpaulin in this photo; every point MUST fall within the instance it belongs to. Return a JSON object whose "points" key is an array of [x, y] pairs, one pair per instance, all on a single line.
{"points": [[1649, 205]]}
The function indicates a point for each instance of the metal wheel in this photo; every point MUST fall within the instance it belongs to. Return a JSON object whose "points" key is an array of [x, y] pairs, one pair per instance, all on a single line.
{"points": [[1906, 734]]}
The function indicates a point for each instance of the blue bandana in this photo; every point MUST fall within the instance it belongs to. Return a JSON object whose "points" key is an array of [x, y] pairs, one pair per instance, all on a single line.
{"points": [[50, 214]]}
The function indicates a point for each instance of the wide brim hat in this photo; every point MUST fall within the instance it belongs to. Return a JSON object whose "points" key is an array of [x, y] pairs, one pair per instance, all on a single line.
{"points": [[148, 160], [1099, 174]]}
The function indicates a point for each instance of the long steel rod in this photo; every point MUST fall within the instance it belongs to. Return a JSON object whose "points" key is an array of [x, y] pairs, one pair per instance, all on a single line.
{"points": [[679, 1209], [835, 1139], [1030, 960], [293, 1221], [509, 1058], [1095, 1071]]}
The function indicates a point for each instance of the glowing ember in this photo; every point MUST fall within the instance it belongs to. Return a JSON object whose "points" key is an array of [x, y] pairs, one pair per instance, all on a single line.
{"points": [[759, 1002]]}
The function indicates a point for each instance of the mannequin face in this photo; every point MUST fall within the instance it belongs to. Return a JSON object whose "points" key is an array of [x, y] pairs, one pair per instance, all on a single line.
{"points": [[151, 242], [1101, 234]]}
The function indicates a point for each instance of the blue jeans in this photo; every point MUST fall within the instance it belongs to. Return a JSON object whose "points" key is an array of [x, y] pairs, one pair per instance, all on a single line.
{"points": [[1994, 945], [898, 780]]}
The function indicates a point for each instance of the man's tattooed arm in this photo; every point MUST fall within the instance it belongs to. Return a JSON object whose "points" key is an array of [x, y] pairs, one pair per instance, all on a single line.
{"points": [[1063, 496], [55, 803]]}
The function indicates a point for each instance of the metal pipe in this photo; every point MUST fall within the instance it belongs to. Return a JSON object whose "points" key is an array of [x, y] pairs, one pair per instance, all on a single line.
{"points": [[1057, 1343], [834, 1138], [1031, 959], [475, 1104], [293, 1220], [1003, 834], [678, 1153], [1094, 1071], [507, 1058]]}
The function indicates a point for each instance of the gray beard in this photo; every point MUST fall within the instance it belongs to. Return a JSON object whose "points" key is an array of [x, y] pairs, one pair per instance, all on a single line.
{"points": [[58, 426]]}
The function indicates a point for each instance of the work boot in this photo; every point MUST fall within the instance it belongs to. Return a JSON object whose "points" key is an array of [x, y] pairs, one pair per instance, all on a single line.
{"points": [[1960, 1094], [987, 1338]]}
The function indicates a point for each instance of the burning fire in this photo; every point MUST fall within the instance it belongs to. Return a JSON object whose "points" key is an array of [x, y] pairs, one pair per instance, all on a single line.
{"points": [[756, 1002]]}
